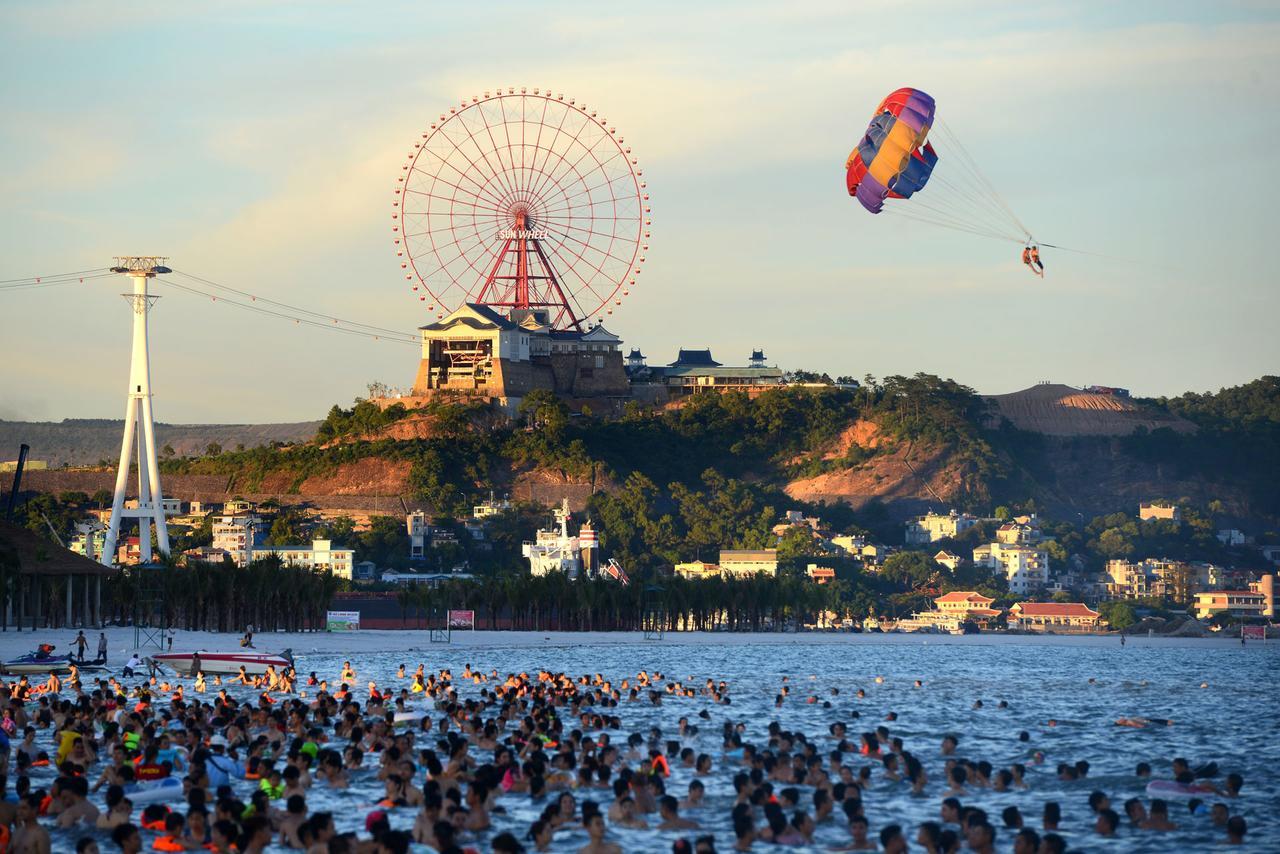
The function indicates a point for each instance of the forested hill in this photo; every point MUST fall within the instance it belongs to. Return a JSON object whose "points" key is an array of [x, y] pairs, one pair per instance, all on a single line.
{"points": [[874, 454], [891, 448]]}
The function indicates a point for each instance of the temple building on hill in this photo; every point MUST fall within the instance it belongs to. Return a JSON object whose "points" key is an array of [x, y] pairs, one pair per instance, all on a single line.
{"points": [[479, 352], [695, 371]]}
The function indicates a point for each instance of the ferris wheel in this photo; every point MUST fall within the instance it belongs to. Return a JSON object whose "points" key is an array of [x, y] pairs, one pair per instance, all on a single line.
{"points": [[522, 199]]}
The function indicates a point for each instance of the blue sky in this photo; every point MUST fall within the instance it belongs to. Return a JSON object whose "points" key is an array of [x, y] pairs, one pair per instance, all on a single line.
{"points": [[257, 145]]}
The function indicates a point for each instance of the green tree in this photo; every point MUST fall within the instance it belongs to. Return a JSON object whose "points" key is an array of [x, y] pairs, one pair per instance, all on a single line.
{"points": [[1118, 614]]}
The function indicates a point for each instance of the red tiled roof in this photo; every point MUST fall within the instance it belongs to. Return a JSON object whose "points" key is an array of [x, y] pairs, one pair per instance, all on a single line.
{"points": [[963, 596], [1054, 609]]}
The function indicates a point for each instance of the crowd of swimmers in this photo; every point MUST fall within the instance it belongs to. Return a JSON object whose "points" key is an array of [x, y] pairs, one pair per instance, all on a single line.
{"points": [[187, 764]]}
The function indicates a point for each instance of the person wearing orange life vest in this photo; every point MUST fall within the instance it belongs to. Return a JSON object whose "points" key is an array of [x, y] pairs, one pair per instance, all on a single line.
{"points": [[172, 838], [1031, 257]]}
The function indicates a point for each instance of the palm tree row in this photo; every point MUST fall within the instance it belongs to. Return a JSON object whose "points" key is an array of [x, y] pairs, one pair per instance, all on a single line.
{"points": [[222, 597], [555, 602]]}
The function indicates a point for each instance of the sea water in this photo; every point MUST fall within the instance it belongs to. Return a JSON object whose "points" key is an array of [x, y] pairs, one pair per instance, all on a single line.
{"points": [[1221, 697]]}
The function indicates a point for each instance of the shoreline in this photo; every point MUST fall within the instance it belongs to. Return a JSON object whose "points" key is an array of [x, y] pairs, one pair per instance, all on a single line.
{"points": [[120, 640]]}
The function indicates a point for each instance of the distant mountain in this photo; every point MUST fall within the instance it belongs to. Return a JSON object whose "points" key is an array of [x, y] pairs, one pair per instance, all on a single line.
{"points": [[85, 441]]}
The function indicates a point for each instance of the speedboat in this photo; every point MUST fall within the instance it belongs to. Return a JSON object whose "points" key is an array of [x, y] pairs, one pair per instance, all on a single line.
{"points": [[224, 663], [41, 661]]}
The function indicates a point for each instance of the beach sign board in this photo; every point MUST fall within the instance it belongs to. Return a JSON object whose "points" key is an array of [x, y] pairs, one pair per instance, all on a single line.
{"points": [[462, 619], [342, 621]]}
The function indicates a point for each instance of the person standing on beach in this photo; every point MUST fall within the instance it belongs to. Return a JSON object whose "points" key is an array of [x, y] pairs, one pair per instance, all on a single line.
{"points": [[102, 647], [80, 643]]}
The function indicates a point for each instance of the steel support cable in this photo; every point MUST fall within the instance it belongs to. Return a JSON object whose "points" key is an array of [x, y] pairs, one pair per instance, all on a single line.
{"points": [[55, 275], [47, 282], [286, 306], [395, 337]]}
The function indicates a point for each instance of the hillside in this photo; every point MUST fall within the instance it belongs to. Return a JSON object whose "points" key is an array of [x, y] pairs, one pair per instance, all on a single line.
{"points": [[77, 441], [887, 451]]}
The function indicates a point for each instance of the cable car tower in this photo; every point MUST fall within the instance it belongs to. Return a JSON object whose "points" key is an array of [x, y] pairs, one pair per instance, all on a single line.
{"points": [[139, 428]]}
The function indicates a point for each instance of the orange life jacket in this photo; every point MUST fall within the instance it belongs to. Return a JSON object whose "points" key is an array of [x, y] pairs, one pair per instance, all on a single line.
{"points": [[167, 843]]}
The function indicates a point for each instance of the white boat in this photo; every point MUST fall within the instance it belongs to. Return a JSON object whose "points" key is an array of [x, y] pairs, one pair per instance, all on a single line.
{"points": [[211, 662]]}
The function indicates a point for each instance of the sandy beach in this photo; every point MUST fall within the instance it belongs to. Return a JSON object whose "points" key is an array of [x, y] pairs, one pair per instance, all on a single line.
{"points": [[121, 640]]}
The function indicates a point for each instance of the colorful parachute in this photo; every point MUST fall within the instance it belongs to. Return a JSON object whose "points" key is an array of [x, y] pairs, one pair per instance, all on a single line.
{"points": [[894, 158]]}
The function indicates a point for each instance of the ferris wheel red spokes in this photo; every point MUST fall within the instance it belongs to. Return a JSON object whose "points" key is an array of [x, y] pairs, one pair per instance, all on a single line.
{"points": [[522, 200]]}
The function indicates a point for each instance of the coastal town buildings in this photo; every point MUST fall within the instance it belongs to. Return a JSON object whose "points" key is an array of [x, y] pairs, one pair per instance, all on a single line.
{"points": [[697, 569], [1158, 577], [237, 533], [1025, 567], [89, 539], [947, 559], [820, 574], [1258, 601], [952, 611], [742, 562], [1052, 616], [932, 527]]}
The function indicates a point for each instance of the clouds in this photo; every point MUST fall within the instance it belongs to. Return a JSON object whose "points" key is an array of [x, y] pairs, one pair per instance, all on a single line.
{"points": [[259, 146]]}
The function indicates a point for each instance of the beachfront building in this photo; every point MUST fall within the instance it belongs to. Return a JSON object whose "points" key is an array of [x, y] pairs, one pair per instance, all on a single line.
{"points": [[319, 557], [1258, 601], [697, 569], [937, 526], [1026, 567], [237, 535], [951, 612], [736, 563], [967, 605], [1052, 616], [1156, 511]]}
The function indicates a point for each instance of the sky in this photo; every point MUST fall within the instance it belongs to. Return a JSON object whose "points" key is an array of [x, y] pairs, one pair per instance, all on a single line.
{"points": [[257, 144]]}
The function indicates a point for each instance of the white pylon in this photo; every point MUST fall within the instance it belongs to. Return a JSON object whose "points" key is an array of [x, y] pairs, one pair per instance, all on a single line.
{"points": [[139, 428]]}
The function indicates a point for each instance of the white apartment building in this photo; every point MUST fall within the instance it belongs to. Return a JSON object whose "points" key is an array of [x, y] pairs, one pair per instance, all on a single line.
{"points": [[935, 526], [1025, 567], [319, 556], [237, 535], [735, 562]]}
